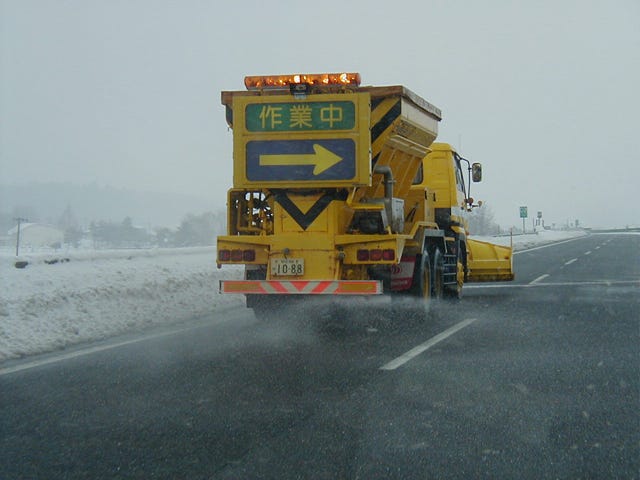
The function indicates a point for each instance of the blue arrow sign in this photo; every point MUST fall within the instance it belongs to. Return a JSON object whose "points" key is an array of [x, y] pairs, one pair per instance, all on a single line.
{"points": [[301, 160]]}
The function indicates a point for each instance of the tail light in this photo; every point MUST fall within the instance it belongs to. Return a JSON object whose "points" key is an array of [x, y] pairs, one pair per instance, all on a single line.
{"points": [[236, 255], [376, 255], [362, 255]]}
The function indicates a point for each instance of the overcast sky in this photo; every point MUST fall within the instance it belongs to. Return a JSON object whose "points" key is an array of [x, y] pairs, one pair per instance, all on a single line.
{"points": [[126, 93]]}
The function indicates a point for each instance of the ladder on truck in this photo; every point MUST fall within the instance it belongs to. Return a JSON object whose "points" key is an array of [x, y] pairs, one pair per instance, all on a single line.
{"points": [[450, 274]]}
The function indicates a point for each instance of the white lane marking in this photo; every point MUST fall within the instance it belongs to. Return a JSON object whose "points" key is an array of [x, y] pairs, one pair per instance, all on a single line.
{"points": [[598, 247], [108, 346], [571, 261], [539, 279], [588, 253], [83, 352], [547, 245], [608, 283], [414, 352]]}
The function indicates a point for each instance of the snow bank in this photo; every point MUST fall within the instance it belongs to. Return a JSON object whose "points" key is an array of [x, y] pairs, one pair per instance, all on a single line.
{"points": [[62, 299], [59, 300], [522, 242]]}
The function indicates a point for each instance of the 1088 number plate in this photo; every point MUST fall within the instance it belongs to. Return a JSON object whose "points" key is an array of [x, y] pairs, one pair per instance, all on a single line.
{"points": [[287, 266]]}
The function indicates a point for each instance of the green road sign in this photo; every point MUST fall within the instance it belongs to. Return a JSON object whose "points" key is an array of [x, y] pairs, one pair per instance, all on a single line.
{"points": [[523, 212]]}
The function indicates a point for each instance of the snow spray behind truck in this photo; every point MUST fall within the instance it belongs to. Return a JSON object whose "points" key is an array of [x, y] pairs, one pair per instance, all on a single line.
{"points": [[339, 189]]}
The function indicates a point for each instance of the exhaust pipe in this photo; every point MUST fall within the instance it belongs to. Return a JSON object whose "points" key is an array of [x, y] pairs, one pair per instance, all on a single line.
{"points": [[388, 179]]}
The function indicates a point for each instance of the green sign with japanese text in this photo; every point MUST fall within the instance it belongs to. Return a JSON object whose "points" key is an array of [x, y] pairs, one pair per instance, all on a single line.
{"points": [[300, 116]]}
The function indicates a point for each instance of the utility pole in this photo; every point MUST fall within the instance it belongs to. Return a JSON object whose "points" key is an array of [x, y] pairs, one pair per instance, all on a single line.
{"points": [[19, 220]]}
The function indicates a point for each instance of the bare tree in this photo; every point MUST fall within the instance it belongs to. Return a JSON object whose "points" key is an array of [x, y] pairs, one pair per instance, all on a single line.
{"points": [[482, 221]]}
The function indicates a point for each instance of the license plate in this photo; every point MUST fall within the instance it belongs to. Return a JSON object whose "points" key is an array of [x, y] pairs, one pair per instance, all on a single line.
{"points": [[287, 266]]}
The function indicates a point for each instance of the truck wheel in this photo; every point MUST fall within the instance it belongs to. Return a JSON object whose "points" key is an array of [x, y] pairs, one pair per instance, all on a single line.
{"points": [[421, 285], [438, 273], [420, 291]]}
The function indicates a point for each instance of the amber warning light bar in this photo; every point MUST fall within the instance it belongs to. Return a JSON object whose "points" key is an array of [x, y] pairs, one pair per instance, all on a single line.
{"points": [[258, 82]]}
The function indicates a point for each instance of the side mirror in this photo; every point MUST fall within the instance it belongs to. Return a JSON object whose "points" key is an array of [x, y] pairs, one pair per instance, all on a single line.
{"points": [[476, 172]]}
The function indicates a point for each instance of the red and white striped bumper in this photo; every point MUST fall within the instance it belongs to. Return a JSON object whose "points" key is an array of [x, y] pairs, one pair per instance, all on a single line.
{"points": [[302, 287]]}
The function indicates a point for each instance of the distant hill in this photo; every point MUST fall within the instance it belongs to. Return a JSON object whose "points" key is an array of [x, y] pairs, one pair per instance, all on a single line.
{"points": [[47, 201]]}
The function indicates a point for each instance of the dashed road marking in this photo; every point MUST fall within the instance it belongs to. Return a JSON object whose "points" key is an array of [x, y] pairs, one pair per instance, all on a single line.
{"points": [[571, 261], [539, 279], [588, 253], [414, 352], [547, 245]]}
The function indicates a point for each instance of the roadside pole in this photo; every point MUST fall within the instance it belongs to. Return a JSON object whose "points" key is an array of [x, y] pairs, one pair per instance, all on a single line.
{"points": [[19, 220]]}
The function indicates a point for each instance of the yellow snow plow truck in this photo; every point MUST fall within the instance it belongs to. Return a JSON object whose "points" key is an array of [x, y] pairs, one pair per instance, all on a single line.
{"points": [[339, 189]]}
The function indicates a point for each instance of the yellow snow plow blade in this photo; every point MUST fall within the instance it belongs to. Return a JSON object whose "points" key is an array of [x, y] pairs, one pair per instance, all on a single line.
{"points": [[488, 262]]}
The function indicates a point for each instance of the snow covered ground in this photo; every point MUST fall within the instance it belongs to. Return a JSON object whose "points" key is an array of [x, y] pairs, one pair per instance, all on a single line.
{"points": [[99, 294], [522, 242], [61, 299]]}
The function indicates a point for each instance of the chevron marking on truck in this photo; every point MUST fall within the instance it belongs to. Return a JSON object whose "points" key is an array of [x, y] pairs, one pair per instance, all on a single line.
{"points": [[302, 287], [383, 114], [304, 219]]}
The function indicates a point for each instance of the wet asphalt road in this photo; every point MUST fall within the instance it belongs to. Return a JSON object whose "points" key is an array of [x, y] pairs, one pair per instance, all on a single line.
{"points": [[540, 381]]}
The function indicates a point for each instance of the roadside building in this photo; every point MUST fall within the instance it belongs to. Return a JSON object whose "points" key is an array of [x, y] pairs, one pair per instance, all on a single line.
{"points": [[36, 235]]}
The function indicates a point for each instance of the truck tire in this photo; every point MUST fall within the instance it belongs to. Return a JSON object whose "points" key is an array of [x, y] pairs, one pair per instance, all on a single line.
{"points": [[438, 287], [421, 286], [419, 295]]}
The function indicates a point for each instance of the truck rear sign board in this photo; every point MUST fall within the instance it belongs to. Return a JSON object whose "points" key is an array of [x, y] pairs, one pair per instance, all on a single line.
{"points": [[316, 141]]}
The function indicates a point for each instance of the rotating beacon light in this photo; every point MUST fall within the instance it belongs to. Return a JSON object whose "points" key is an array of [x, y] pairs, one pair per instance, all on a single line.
{"points": [[258, 82]]}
